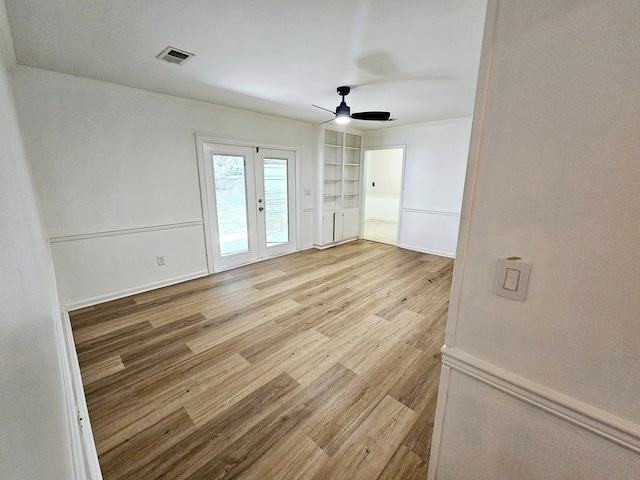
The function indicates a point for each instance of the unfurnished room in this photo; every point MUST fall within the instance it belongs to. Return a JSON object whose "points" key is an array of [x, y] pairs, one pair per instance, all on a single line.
{"points": [[319, 240]]}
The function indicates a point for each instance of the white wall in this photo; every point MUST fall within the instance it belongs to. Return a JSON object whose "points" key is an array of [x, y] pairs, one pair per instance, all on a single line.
{"points": [[436, 159], [384, 169], [34, 439], [117, 172], [549, 387]]}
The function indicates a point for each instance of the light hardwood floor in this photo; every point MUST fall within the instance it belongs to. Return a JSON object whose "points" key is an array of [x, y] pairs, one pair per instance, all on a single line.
{"points": [[316, 365]]}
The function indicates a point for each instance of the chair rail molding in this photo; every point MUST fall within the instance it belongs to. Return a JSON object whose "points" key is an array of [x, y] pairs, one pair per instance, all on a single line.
{"points": [[604, 424], [123, 231]]}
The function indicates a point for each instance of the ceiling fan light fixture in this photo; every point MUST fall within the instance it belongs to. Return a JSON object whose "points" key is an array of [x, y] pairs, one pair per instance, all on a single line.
{"points": [[343, 113], [342, 119]]}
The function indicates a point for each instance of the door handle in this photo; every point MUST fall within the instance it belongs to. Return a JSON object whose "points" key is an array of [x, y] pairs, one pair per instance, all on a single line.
{"points": [[261, 208]]}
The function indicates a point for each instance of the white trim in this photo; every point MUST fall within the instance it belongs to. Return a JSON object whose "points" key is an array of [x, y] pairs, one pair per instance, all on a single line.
{"points": [[438, 421], [431, 212], [243, 142], [124, 231], [205, 201], [427, 250], [83, 448], [485, 71], [363, 174], [604, 424], [331, 245], [135, 290]]}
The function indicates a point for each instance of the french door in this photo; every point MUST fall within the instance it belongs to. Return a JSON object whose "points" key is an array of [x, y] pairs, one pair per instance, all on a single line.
{"points": [[251, 195]]}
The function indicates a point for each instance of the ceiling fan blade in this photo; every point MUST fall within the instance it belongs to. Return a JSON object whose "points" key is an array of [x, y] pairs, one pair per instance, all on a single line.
{"points": [[322, 108], [375, 116], [326, 121]]}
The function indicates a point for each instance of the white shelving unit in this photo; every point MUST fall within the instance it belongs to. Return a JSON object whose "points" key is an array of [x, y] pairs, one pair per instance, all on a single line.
{"points": [[341, 186]]}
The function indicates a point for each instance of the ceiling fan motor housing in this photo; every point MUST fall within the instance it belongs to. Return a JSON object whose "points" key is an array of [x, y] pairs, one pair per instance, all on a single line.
{"points": [[343, 109]]}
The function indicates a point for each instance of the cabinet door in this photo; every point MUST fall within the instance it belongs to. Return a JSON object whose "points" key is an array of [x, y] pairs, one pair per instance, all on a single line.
{"points": [[327, 228], [338, 230], [351, 223]]}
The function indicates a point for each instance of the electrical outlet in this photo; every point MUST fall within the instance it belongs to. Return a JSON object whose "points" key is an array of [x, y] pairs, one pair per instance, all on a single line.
{"points": [[160, 260]]}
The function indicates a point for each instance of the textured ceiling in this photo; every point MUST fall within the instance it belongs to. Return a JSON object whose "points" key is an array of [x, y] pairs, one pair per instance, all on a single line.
{"points": [[415, 58]]}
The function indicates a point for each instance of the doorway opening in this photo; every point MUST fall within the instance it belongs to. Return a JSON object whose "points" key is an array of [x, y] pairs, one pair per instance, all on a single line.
{"points": [[383, 191]]}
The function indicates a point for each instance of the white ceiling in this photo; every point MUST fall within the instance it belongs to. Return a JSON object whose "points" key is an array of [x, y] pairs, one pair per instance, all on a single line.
{"points": [[415, 58]]}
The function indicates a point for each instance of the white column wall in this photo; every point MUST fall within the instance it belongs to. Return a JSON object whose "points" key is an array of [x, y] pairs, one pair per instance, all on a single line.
{"points": [[433, 181], [34, 435], [548, 387], [117, 172]]}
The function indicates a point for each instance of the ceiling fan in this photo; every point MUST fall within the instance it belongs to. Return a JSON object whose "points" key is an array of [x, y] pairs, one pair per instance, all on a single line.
{"points": [[343, 111]]}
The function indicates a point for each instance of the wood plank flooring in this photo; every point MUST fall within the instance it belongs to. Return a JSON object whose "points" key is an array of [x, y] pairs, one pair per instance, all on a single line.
{"points": [[316, 365]]}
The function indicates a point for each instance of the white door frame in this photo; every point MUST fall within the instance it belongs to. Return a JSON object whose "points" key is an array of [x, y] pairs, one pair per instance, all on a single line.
{"points": [[207, 201], [364, 190]]}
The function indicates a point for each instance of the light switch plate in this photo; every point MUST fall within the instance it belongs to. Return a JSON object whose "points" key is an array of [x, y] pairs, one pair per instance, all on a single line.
{"points": [[512, 279]]}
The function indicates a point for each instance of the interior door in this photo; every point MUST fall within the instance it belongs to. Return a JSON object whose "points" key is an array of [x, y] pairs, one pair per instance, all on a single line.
{"points": [[251, 196]]}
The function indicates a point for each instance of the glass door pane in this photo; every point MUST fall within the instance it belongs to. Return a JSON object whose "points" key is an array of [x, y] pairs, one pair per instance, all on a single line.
{"points": [[276, 198], [231, 203]]}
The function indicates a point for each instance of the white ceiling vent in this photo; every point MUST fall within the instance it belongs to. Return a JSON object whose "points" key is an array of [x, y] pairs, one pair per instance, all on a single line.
{"points": [[175, 55]]}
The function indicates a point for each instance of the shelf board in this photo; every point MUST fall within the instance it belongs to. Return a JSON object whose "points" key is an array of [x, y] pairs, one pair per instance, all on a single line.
{"points": [[332, 194], [335, 163], [350, 194]]}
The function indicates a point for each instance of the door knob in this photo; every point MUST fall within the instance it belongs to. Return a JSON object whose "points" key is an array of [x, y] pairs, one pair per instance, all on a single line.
{"points": [[260, 208]]}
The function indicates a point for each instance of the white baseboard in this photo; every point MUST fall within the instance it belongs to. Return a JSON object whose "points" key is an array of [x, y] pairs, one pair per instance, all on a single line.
{"points": [[329, 245], [133, 291], [427, 250], [604, 424]]}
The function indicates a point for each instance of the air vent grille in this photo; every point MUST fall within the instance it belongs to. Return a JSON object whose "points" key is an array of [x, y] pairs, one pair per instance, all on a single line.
{"points": [[175, 55]]}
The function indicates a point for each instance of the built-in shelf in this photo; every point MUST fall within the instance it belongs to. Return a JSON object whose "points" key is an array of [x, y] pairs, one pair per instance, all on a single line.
{"points": [[341, 167], [340, 159]]}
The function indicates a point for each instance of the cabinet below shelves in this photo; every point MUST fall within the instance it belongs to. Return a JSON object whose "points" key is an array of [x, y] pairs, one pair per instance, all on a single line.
{"points": [[340, 226]]}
